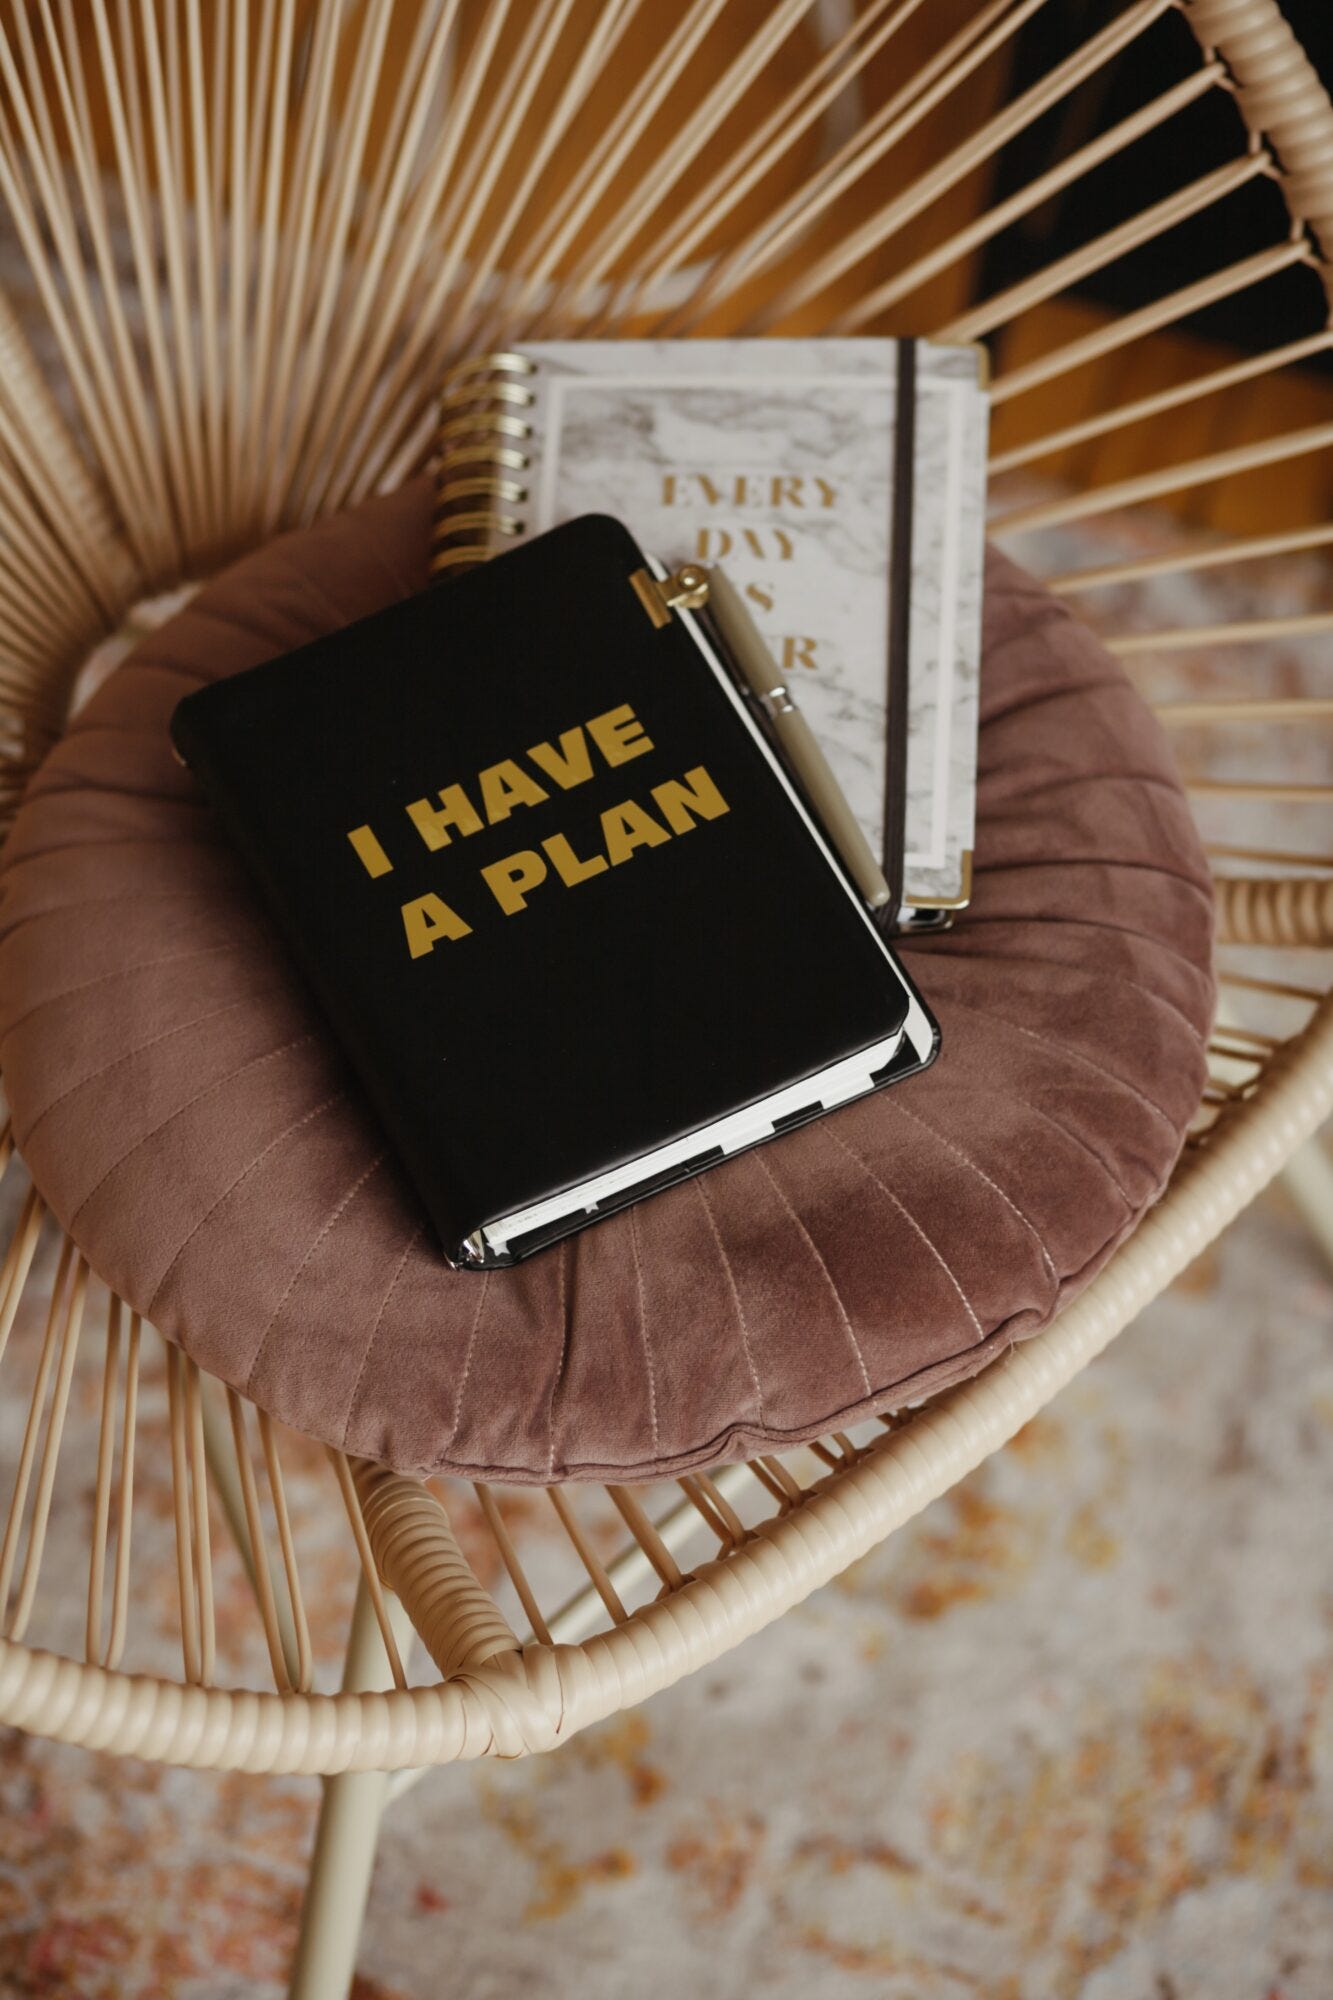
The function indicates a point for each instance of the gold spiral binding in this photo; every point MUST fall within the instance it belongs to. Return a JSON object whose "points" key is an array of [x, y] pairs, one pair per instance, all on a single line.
{"points": [[481, 456]]}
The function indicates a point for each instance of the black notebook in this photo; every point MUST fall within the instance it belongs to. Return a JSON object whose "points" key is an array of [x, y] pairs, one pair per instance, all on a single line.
{"points": [[571, 922]]}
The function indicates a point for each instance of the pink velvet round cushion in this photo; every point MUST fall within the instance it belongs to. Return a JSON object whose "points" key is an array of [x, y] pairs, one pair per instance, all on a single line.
{"points": [[190, 1122]]}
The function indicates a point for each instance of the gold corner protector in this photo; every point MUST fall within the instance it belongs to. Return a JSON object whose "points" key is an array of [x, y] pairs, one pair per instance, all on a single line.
{"points": [[958, 902]]}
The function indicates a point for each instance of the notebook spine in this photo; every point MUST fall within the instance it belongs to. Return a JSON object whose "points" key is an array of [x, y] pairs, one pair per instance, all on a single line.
{"points": [[482, 460]]}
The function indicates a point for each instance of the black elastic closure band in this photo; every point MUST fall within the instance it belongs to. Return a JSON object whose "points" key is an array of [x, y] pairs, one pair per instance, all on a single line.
{"points": [[900, 608]]}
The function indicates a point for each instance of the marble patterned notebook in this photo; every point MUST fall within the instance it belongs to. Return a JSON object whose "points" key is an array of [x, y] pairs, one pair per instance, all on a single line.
{"points": [[841, 482]]}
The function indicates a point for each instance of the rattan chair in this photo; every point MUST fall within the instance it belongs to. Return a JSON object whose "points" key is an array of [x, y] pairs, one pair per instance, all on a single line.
{"points": [[251, 239]]}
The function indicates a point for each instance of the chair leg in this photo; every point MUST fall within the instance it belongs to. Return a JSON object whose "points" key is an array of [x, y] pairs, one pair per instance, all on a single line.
{"points": [[347, 1834]]}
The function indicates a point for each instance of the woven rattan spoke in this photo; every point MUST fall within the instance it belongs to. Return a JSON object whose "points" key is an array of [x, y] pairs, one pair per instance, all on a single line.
{"points": [[1209, 191], [60, 1347], [1280, 790], [369, 1570], [18, 1262], [988, 30], [964, 159], [45, 440], [1123, 331], [299, 1624], [110, 1654], [1282, 859], [1004, 214], [621, 140], [1249, 548], [194, 1569], [136, 483], [760, 151], [1241, 632], [288, 1671], [694, 137], [669, 1533], [1170, 479], [714, 1508], [568, 1518], [646, 1535], [1122, 417], [1295, 708], [509, 1555]]}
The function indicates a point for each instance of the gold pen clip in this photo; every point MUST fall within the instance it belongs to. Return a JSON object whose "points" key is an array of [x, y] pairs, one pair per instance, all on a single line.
{"points": [[684, 589]]}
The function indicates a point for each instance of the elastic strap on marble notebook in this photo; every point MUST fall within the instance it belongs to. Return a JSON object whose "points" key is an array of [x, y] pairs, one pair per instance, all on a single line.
{"points": [[482, 460], [900, 611]]}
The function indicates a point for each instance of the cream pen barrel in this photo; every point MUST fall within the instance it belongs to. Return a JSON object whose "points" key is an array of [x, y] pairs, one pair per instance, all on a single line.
{"points": [[798, 740]]}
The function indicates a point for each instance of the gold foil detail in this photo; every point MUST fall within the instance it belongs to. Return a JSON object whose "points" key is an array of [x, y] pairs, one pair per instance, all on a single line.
{"points": [[958, 902]]}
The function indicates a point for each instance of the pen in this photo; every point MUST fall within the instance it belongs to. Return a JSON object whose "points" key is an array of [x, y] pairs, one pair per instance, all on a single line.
{"points": [[798, 740]]}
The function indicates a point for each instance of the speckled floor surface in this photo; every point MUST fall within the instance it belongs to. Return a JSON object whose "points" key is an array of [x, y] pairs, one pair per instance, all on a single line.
{"points": [[1071, 1734]]}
